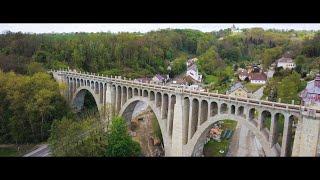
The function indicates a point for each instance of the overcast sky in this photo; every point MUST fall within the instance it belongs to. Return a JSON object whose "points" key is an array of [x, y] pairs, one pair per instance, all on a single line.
{"points": [[140, 27]]}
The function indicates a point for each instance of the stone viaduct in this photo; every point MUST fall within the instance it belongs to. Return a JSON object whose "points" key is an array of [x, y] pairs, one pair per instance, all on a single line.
{"points": [[185, 117]]}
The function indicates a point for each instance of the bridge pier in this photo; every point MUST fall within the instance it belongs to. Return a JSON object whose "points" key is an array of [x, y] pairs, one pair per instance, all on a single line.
{"points": [[306, 142], [178, 128], [286, 137]]}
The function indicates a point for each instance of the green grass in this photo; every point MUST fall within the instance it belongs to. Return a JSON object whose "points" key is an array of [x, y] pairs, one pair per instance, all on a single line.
{"points": [[8, 152], [267, 122], [156, 128], [252, 87], [212, 148], [12, 150]]}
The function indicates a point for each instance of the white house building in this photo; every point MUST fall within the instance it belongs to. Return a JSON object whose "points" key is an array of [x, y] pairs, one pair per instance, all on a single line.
{"points": [[192, 71], [286, 63], [258, 78]]}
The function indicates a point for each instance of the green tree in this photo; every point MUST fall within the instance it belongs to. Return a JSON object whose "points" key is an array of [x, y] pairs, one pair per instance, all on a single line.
{"points": [[120, 143], [74, 137], [35, 67], [289, 88]]}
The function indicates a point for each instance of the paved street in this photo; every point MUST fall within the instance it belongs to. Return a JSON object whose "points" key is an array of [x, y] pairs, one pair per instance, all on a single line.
{"points": [[42, 151], [258, 94]]}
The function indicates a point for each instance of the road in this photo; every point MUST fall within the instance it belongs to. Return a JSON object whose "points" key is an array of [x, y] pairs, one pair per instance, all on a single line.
{"points": [[42, 151], [258, 94]]}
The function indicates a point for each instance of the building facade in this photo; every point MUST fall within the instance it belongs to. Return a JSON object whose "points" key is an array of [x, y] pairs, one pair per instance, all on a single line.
{"points": [[193, 72], [310, 96], [258, 78], [286, 63]]}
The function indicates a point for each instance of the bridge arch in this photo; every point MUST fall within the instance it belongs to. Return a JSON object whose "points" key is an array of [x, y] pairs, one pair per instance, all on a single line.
{"points": [[196, 144], [78, 98], [126, 111]]}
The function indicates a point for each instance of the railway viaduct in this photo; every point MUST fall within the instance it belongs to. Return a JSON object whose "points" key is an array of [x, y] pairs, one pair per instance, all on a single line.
{"points": [[185, 117]]}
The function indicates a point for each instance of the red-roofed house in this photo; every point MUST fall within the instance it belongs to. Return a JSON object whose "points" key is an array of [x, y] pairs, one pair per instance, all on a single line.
{"points": [[258, 78]]}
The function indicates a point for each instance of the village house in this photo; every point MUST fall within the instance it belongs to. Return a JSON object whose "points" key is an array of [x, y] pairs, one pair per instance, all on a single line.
{"points": [[160, 79], [310, 96], [238, 90], [186, 82], [192, 71], [243, 74], [258, 78], [192, 61], [286, 63]]}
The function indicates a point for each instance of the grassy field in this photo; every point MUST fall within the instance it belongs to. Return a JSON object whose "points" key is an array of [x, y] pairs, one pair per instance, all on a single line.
{"points": [[212, 148], [252, 87], [14, 151], [8, 152]]}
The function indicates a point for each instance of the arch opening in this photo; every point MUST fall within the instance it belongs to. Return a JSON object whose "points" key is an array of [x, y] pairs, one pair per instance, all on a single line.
{"points": [[241, 111], [84, 103], [186, 111], [216, 140], [145, 93], [152, 97], [170, 119], [224, 108], [129, 93], [135, 93], [144, 126], [213, 109], [194, 117], [279, 123], [266, 122], [124, 94], [253, 116], [158, 99], [203, 111], [293, 122], [233, 109], [96, 88], [165, 106]]}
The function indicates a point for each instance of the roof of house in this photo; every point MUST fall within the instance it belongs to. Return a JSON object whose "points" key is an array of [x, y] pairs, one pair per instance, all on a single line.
{"points": [[243, 73], [311, 88], [236, 86], [285, 60], [160, 77], [193, 67], [192, 60], [258, 76]]}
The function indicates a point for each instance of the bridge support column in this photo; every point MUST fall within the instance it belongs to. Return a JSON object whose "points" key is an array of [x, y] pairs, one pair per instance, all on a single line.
{"points": [[286, 136], [167, 122], [306, 141], [260, 120], [109, 99], [199, 113], [178, 128], [190, 119], [118, 99], [273, 133]]}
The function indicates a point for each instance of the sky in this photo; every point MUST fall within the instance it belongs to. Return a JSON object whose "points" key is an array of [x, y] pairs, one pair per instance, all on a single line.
{"points": [[141, 27]]}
